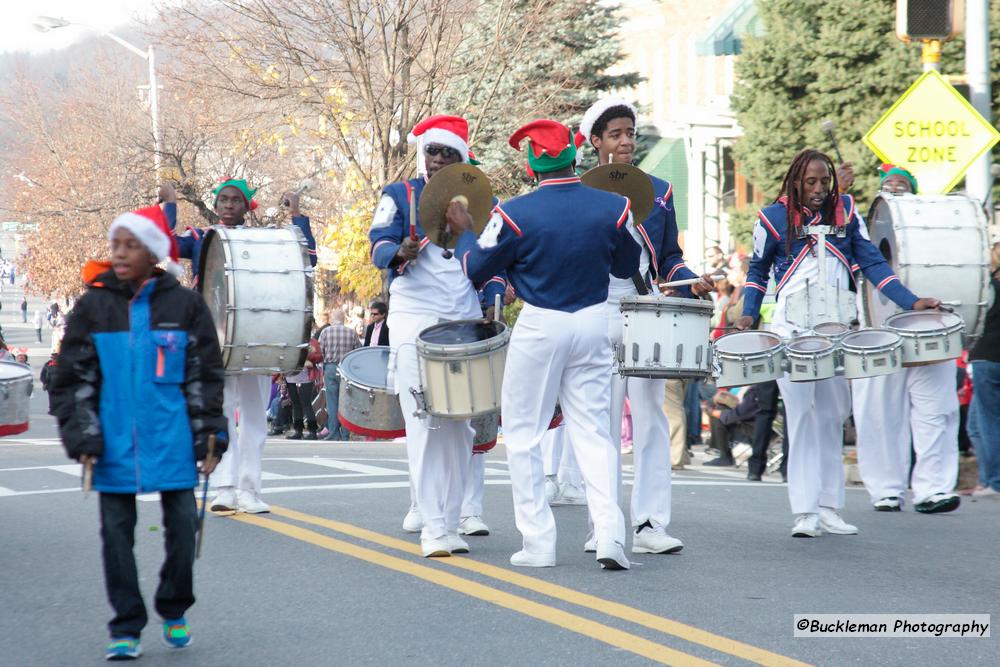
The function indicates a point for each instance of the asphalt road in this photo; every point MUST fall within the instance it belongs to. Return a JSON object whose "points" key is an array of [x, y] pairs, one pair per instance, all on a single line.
{"points": [[329, 578]]}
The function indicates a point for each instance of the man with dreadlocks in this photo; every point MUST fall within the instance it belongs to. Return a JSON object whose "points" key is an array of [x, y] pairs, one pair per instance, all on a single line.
{"points": [[609, 126], [890, 408], [816, 410]]}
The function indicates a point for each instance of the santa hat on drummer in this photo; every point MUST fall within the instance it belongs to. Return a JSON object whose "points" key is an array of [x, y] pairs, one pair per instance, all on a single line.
{"points": [[550, 145], [450, 131], [149, 225], [598, 109]]}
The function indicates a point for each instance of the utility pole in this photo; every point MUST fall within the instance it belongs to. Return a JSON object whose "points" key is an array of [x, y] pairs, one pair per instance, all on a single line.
{"points": [[978, 180]]}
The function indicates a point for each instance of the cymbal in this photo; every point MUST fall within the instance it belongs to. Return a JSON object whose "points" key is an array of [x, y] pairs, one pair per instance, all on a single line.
{"points": [[461, 182], [627, 180]]}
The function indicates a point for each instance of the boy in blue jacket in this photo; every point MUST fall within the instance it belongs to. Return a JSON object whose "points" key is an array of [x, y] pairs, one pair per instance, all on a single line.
{"points": [[137, 392]]}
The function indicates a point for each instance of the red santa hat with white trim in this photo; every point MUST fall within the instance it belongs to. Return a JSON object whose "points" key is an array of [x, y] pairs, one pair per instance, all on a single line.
{"points": [[150, 226], [597, 109], [450, 131]]}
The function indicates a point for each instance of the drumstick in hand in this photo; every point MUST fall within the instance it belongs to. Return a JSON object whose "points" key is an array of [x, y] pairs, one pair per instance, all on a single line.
{"points": [[691, 281], [88, 476]]}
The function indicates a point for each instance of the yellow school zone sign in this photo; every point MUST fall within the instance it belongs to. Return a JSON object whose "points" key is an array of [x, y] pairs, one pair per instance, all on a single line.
{"points": [[933, 132]]}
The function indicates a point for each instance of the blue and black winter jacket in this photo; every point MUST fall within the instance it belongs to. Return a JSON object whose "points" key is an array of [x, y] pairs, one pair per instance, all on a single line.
{"points": [[139, 384]]}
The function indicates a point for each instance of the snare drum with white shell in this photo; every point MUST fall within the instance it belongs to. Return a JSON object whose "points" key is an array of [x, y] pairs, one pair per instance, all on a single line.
{"points": [[810, 358], [871, 352], [664, 337], [928, 336], [748, 357]]}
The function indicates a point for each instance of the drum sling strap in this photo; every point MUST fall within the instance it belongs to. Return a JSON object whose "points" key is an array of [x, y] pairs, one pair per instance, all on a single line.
{"points": [[640, 284]]}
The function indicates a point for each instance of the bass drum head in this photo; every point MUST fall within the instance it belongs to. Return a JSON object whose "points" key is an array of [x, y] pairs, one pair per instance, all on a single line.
{"points": [[938, 246], [367, 366], [213, 283], [461, 332]]}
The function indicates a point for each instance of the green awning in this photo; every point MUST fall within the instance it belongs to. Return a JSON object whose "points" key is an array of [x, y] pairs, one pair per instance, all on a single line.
{"points": [[668, 160], [724, 35]]}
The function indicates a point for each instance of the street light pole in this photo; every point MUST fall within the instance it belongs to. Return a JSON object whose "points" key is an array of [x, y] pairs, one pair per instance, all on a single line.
{"points": [[47, 23]]}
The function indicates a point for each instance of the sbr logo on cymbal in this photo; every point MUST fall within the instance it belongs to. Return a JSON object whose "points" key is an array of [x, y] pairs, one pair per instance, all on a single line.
{"points": [[617, 175], [468, 178]]}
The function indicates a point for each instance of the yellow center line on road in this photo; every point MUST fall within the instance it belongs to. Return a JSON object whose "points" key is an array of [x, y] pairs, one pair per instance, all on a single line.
{"points": [[624, 612], [564, 619]]}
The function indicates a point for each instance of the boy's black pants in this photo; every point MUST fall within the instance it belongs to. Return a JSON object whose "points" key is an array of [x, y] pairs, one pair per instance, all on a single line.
{"points": [[175, 593]]}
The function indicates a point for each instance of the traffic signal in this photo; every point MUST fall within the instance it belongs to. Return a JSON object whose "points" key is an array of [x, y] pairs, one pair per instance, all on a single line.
{"points": [[923, 20]]}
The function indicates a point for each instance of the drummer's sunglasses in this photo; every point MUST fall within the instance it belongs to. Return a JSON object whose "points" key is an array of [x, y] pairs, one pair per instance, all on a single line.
{"points": [[446, 152]]}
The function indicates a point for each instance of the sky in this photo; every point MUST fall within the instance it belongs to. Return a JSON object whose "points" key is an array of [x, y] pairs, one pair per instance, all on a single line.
{"points": [[17, 34]]}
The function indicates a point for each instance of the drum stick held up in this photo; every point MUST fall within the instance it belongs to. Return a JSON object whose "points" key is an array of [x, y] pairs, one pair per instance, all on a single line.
{"points": [[691, 281], [498, 308], [204, 499], [88, 477]]}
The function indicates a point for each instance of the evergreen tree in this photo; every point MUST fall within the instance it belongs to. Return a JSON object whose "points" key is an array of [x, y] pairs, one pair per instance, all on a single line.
{"points": [[817, 61], [573, 43]]}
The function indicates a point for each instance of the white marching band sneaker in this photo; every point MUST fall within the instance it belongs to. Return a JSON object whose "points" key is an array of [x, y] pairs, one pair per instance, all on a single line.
{"points": [[224, 501], [831, 522], [250, 502], [436, 548], [890, 504], [569, 494], [474, 526], [655, 540], [551, 488], [611, 555], [806, 525], [413, 522], [456, 544], [527, 559], [590, 546]]}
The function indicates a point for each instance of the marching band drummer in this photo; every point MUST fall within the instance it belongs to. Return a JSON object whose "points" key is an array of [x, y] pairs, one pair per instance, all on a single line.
{"points": [[558, 246], [426, 289], [238, 478], [816, 410], [889, 408], [609, 127]]}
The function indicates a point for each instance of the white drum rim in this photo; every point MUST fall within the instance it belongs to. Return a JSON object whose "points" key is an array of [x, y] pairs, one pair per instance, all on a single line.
{"points": [[778, 348], [832, 336], [458, 351], [638, 302], [926, 333], [813, 354], [868, 349]]}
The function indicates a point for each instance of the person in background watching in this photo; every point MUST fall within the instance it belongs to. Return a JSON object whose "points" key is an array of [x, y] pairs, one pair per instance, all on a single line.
{"points": [[377, 333], [335, 342]]}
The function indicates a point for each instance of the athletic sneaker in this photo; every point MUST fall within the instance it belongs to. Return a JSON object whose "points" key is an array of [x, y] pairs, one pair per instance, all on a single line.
{"points": [[890, 504], [611, 556], [569, 494], [651, 539], [123, 648], [473, 525], [250, 502], [551, 488], [224, 501], [176, 633], [939, 502], [413, 522], [831, 522], [985, 492], [456, 544], [806, 525]]}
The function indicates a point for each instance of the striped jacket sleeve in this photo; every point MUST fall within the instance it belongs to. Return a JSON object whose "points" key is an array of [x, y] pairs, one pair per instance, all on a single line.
{"points": [[672, 265], [766, 242]]}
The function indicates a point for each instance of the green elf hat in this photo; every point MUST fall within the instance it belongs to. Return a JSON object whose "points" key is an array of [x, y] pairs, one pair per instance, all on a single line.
{"points": [[886, 170], [240, 185], [550, 143]]}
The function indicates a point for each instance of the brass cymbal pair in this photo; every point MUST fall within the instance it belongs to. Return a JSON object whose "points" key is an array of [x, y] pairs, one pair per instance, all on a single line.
{"points": [[470, 186]]}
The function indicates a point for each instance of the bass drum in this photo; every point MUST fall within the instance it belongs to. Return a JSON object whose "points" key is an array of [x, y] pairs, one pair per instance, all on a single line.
{"points": [[258, 284], [938, 245]]}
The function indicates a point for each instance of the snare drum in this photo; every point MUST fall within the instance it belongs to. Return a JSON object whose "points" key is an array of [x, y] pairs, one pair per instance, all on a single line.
{"points": [[15, 395], [871, 352], [366, 403], [834, 331], [748, 357], [665, 337], [928, 335], [258, 284], [810, 358], [461, 368]]}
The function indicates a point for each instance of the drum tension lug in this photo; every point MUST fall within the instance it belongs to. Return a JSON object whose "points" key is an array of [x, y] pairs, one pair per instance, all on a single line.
{"points": [[418, 396]]}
